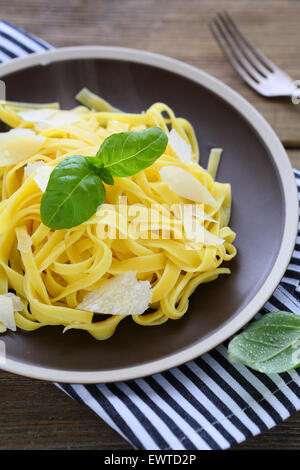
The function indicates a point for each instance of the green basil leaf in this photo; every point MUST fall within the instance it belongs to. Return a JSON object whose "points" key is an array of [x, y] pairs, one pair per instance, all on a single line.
{"points": [[270, 344], [99, 170], [106, 176], [72, 195], [127, 153]]}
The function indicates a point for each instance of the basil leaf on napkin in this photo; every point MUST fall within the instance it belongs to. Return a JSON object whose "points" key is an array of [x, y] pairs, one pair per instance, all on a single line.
{"points": [[270, 344]]}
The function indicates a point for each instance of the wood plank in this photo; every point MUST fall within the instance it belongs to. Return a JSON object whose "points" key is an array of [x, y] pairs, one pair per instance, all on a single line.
{"points": [[178, 29], [294, 156], [35, 414]]}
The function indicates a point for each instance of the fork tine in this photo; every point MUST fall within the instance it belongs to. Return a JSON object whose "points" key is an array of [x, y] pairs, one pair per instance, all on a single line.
{"points": [[231, 58], [259, 55], [232, 30], [244, 62]]}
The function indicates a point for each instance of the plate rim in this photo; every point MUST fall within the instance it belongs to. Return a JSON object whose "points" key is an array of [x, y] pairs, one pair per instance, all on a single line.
{"points": [[288, 182]]}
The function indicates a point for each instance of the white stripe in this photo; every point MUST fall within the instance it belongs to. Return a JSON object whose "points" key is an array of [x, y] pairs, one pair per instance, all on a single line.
{"points": [[224, 397], [186, 429], [63, 390], [290, 281], [4, 57], [209, 405], [294, 267], [259, 410], [92, 403], [284, 388], [12, 47], [137, 428], [295, 377], [270, 307], [22, 38], [192, 411], [157, 422], [260, 386], [287, 300]]}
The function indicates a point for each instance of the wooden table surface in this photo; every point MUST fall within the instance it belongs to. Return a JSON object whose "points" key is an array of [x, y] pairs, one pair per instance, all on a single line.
{"points": [[35, 414]]}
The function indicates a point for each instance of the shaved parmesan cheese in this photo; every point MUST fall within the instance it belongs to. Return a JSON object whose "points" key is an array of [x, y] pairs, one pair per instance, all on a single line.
{"points": [[193, 218], [31, 168], [121, 295], [196, 232], [47, 118], [182, 149], [186, 185], [9, 303], [24, 242], [42, 177], [41, 173], [7, 317], [17, 145], [18, 305], [36, 115], [193, 210]]}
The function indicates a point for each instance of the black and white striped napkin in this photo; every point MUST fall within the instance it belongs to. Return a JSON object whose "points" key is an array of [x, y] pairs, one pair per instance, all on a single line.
{"points": [[207, 403]]}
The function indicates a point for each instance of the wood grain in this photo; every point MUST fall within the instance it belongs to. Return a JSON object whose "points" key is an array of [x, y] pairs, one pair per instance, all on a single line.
{"points": [[35, 414], [178, 29]]}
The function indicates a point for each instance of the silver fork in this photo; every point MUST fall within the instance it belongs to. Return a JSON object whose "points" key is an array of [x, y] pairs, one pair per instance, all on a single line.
{"points": [[253, 66]]}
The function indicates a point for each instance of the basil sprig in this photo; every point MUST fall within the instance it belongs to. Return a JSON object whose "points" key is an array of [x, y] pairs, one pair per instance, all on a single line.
{"points": [[270, 344], [75, 189]]}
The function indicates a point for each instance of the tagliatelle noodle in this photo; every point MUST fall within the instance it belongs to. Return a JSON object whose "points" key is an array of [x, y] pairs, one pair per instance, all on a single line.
{"points": [[56, 269]]}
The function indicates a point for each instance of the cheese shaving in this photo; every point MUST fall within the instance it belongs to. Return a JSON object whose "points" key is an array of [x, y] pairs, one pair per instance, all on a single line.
{"points": [[9, 303], [182, 149], [24, 242], [40, 172], [47, 118], [121, 295], [17, 145], [186, 185]]}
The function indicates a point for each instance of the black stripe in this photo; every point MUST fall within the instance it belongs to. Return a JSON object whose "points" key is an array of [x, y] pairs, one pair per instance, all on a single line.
{"points": [[216, 401], [10, 54], [152, 431], [290, 298], [177, 407], [295, 261], [278, 305], [70, 390], [275, 391], [16, 42], [295, 388], [291, 274], [196, 404], [254, 392], [114, 415], [162, 415], [252, 415], [27, 35]]}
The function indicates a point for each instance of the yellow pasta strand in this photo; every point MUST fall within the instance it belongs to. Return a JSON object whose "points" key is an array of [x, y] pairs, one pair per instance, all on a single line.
{"points": [[56, 269]]}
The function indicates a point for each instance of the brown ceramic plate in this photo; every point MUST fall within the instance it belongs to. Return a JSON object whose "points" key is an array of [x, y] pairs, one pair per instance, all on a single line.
{"points": [[264, 215]]}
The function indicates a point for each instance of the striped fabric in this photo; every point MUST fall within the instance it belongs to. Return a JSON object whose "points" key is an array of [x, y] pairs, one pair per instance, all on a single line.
{"points": [[15, 42], [207, 403]]}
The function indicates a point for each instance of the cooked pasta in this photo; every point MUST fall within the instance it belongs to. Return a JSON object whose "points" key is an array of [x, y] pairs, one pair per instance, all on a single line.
{"points": [[52, 271]]}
